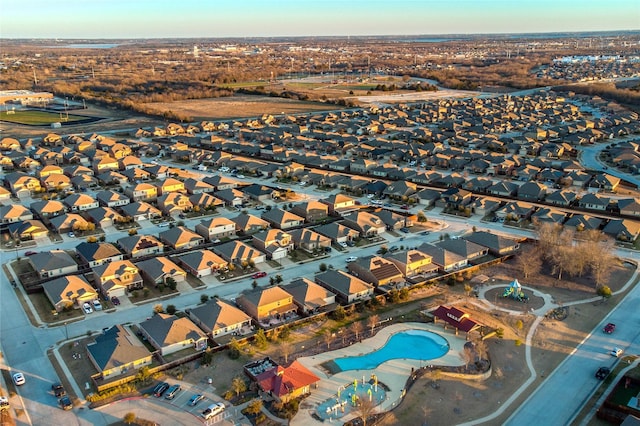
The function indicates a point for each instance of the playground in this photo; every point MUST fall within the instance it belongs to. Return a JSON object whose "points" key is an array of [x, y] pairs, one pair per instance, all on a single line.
{"points": [[350, 396]]}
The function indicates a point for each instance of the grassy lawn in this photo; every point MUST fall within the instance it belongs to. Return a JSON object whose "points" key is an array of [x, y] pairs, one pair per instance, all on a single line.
{"points": [[46, 311], [149, 293], [195, 282], [38, 118]]}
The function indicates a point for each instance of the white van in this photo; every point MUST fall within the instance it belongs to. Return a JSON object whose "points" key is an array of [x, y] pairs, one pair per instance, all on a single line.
{"points": [[213, 410]]}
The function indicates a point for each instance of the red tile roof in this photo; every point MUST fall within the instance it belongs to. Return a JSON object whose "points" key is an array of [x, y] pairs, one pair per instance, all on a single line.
{"points": [[283, 380]]}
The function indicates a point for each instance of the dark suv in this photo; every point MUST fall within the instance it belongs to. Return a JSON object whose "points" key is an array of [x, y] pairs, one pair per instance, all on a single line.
{"points": [[160, 389], [602, 373], [58, 390]]}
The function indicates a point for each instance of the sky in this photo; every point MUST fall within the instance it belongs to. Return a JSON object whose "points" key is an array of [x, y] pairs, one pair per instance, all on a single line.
{"points": [[113, 19]]}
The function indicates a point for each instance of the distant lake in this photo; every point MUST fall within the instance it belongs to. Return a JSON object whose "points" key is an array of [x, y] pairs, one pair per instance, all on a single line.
{"points": [[87, 46]]}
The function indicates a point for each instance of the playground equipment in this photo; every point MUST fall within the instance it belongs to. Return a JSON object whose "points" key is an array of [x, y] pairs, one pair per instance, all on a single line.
{"points": [[515, 292]]}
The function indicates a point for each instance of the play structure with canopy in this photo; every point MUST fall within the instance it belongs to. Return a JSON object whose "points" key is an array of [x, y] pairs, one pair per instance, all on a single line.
{"points": [[515, 292]]}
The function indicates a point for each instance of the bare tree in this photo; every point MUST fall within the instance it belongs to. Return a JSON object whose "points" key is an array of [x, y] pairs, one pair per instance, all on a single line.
{"points": [[481, 349], [372, 321], [365, 408], [327, 336], [285, 350], [468, 355], [529, 261], [357, 327]]}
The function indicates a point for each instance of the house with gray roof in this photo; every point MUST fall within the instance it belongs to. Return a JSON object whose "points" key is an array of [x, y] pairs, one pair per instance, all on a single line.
{"points": [[110, 198], [583, 222], [629, 206], [464, 248], [69, 292], [169, 334], [282, 219], [348, 289], [140, 245], [337, 232], [238, 253], [96, 253], [594, 202], [158, 270], [118, 351], [140, 210], [180, 237], [445, 260], [622, 229], [561, 197], [367, 224], [53, 263], [497, 244], [548, 215], [218, 318], [201, 263], [533, 191]]}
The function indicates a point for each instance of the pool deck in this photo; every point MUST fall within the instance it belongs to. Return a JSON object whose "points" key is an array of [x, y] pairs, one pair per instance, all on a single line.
{"points": [[393, 373]]}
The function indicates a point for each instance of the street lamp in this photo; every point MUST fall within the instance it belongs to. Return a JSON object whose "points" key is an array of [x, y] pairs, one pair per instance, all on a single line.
{"points": [[66, 331]]}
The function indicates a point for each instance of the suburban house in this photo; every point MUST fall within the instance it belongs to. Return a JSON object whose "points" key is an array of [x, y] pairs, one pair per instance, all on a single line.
{"points": [[497, 244], [263, 304], [367, 224], [114, 278], [68, 222], [231, 197], [259, 192], [239, 253], [594, 202], [248, 223], [158, 270], [622, 229], [142, 192], [180, 237], [14, 213], [376, 270], [174, 203], [515, 211], [412, 262], [21, 184], [28, 230], [311, 211], [69, 292], [348, 289], [169, 334], [95, 254], [464, 248], [218, 318], [110, 198], [216, 228], [445, 260], [48, 208], [282, 219], [276, 243], [140, 210], [170, 185], [116, 351], [140, 245], [194, 186], [310, 297], [309, 240], [52, 263], [80, 202], [104, 217], [287, 383], [583, 222], [337, 232], [201, 263], [339, 204]]}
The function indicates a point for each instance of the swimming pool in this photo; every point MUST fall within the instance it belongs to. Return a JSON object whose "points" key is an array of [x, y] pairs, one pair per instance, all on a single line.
{"points": [[408, 344]]}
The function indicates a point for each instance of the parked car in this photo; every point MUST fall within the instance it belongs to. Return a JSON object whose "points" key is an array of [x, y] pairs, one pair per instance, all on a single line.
{"points": [[609, 328], [342, 244], [30, 253], [58, 390], [115, 300], [213, 410], [65, 403], [160, 389], [172, 391], [351, 243], [405, 230], [86, 307], [97, 305], [259, 274], [394, 248], [602, 373], [616, 352], [72, 235], [351, 259], [18, 379], [195, 399]]}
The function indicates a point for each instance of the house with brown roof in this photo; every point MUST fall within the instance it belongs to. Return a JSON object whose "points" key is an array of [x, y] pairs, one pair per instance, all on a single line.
{"points": [[267, 303], [169, 334], [180, 237], [140, 210], [339, 204], [282, 219], [104, 164], [118, 351], [14, 213], [174, 203], [94, 254], [158, 270], [248, 223], [21, 184], [140, 245], [142, 192], [201, 263], [348, 289], [310, 297], [287, 383], [69, 292], [114, 278], [376, 270], [239, 253], [56, 182], [367, 224], [216, 228], [218, 318], [276, 243], [311, 211]]}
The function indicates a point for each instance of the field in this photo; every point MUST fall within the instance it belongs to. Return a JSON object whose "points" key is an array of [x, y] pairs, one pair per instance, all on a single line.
{"points": [[239, 107], [39, 118]]}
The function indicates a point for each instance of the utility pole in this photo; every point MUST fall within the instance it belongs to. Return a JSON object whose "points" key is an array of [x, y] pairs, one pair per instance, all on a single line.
{"points": [[35, 79]]}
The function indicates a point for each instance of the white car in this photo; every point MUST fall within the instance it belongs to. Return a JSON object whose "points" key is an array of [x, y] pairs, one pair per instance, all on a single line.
{"points": [[343, 244], [18, 379], [97, 305], [616, 352], [86, 307], [213, 410], [351, 259], [72, 235]]}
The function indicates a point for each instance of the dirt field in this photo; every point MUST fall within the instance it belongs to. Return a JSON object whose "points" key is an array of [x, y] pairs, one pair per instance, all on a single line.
{"points": [[239, 107]]}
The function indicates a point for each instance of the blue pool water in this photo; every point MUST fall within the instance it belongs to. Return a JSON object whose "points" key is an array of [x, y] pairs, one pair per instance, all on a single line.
{"points": [[409, 344]]}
